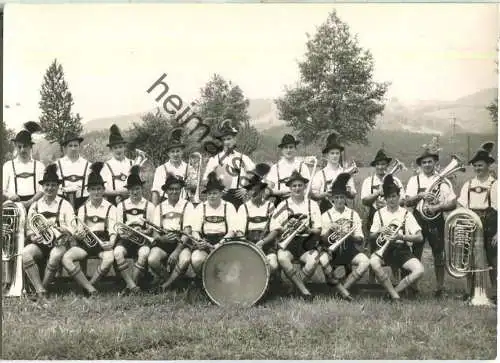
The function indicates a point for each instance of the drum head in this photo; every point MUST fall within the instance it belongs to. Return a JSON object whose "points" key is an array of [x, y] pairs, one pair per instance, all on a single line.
{"points": [[236, 273]]}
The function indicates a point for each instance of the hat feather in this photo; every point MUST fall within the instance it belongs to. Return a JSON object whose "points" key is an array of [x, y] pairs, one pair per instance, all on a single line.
{"points": [[114, 129], [97, 167], [212, 148], [261, 169], [51, 168], [388, 180], [333, 137], [488, 146], [176, 133], [135, 170], [213, 178], [343, 178], [32, 127]]}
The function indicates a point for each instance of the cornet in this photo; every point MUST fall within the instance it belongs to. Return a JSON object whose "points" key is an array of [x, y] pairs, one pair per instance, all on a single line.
{"points": [[133, 235], [44, 229], [83, 232], [292, 229], [197, 155], [141, 157]]}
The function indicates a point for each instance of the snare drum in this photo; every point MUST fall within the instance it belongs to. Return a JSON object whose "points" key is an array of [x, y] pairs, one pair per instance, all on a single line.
{"points": [[236, 273]]}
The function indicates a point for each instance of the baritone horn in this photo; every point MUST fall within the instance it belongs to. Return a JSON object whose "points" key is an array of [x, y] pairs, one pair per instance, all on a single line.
{"points": [[192, 158], [44, 229], [13, 219], [83, 232], [465, 254]]}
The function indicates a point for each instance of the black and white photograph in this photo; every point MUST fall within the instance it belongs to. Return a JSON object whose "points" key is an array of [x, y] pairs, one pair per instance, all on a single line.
{"points": [[259, 181]]}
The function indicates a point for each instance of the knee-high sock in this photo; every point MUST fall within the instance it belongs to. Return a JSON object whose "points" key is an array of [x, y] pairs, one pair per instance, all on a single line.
{"points": [[50, 274], [405, 282], [137, 271], [385, 281], [31, 270], [178, 271], [78, 275], [123, 269], [292, 275], [354, 276]]}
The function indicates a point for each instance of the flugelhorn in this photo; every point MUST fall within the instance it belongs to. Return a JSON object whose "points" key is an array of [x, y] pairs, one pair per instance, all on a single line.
{"points": [[197, 155], [141, 157], [132, 234], [292, 229], [343, 228], [84, 233], [388, 233], [44, 229]]}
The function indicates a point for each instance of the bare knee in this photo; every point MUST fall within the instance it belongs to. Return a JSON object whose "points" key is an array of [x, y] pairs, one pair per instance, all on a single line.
{"points": [[324, 259], [56, 254], [154, 257], [142, 254], [272, 259], [107, 258], [119, 253], [184, 257], [362, 261], [376, 263], [419, 270], [197, 259]]}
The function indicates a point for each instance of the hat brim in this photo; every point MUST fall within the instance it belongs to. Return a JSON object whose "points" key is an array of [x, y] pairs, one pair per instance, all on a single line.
{"points": [[170, 147], [129, 186], [302, 179], [165, 187], [208, 188], [488, 160], [24, 142], [250, 186], [111, 144], [66, 142], [339, 192], [282, 145], [94, 184], [42, 182], [374, 162], [331, 147], [421, 157]]}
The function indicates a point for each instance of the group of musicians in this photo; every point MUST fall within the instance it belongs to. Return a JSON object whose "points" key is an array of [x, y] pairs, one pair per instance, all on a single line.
{"points": [[261, 203]]}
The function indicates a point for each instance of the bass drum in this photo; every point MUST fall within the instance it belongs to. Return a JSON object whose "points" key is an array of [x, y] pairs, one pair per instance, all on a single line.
{"points": [[236, 274]]}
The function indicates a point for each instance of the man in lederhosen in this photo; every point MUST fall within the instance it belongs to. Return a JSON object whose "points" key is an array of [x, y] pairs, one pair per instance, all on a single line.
{"points": [[131, 211], [117, 168], [433, 231], [284, 167], [99, 216], [72, 169], [171, 215], [21, 175], [230, 165], [176, 166], [58, 211], [480, 195]]}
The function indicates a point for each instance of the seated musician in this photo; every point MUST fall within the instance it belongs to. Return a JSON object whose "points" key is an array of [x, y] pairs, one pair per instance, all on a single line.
{"points": [[57, 211], [171, 215], [254, 217], [288, 216], [350, 251], [99, 216], [480, 195], [132, 212], [399, 252], [213, 221]]}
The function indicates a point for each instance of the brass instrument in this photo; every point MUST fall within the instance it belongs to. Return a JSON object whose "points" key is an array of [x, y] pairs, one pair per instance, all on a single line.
{"points": [[48, 231], [435, 188], [13, 219], [314, 161], [132, 234], [393, 168], [197, 155], [384, 238], [83, 232], [292, 229], [465, 254], [343, 228], [141, 158]]}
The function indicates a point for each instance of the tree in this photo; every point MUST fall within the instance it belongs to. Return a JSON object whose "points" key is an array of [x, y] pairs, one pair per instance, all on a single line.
{"points": [[336, 89], [493, 110], [6, 147], [56, 102]]}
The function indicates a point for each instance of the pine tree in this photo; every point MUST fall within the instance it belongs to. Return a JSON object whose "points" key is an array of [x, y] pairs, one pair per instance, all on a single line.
{"points": [[6, 147]]}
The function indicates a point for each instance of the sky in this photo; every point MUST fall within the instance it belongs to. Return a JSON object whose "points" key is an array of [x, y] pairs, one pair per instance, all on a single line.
{"points": [[111, 54]]}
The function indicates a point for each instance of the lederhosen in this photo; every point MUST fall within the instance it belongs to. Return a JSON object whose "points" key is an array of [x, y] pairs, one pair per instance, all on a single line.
{"points": [[489, 220], [73, 178], [114, 178], [278, 199], [169, 246], [432, 231], [49, 215], [230, 195], [213, 238], [397, 254], [163, 197], [344, 255], [255, 235], [131, 247], [25, 198], [301, 243], [102, 235]]}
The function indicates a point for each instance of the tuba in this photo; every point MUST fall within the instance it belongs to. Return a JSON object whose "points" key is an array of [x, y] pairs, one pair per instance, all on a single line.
{"points": [[384, 238], [465, 254], [292, 228], [435, 188], [192, 157], [13, 218], [45, 229], [83, 232], [133, 235], [343, 228]]}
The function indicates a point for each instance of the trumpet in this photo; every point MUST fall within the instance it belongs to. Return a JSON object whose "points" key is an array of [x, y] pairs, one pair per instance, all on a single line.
{"points": [[292, 229], [44, 229], [197, 155], [133, 235], [395, 167], [141, 157], [314, 161], [83, 232], [385, 237], [343, 229]]}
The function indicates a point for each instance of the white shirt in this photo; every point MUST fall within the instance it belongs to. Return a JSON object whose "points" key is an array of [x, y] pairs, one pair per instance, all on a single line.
{"points": [[232, 161], [96, 216], [412, 189], [72, 171], [134, 212], [66, 213], [478, 192], [283, 169], [411, 225], [121, 170], [26, 183], [183, 171], [215, 225], [323, 179], [372, 184], [253, 216], [172, 217], [286, 208], [331, 216]]}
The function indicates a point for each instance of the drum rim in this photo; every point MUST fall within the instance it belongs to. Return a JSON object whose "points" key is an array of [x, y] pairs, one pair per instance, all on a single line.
{"points": [[247, 244]]}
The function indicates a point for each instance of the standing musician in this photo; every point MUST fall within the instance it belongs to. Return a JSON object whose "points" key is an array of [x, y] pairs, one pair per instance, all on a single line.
{"points": [[323, 180], [350, 251], [99, 216], [22, 174], [117, 168], [229, 164], [289, 213], [398, 253], [171, 215], [58, 212], [213, 220], [433, 231], [131, 211], [72, 169], [480, 195], [255, 218], [175, 165]]}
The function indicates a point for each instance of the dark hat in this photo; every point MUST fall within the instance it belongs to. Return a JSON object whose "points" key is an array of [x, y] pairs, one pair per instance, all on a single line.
{"points": [[24, 136], [175, 139], [213, 147], [172, 179], [71, 136], [134, 178], [226, 128], [115, 137], [213, 182], [95, 177], [260, 170], [339, 186], [389, 186], [484, 153], [381, 156], [430, 150], [295, 176], [332, 143], [254, 181], [288, 139], [50, 175]]}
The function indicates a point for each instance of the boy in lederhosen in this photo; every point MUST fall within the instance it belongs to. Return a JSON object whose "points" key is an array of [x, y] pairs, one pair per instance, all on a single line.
{"points": [[99, 216], [480, 195]]}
